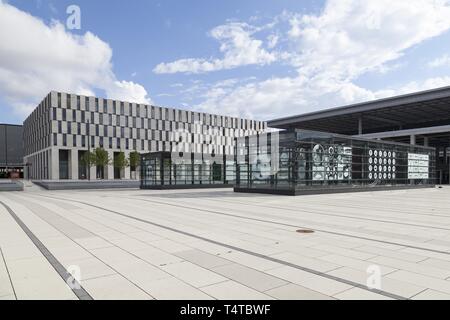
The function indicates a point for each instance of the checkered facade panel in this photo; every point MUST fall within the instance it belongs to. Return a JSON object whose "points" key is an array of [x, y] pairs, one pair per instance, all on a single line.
{"points": [[73, 121]]}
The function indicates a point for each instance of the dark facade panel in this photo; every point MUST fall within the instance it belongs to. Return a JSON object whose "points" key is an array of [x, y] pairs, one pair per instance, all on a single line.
{"points": [[11, 145]]}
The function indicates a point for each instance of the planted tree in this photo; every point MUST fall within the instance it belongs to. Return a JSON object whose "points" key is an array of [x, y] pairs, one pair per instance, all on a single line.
{"points": [[135, 161], [101, 159], [120, 161]]}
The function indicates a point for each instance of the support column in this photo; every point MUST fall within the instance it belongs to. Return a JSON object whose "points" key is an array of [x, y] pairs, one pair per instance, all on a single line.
{"points": [[360, 125], [426, 141], [412, 139], [127, 173], [110, 167], [93, 172], [54, 164], [73, 165]]}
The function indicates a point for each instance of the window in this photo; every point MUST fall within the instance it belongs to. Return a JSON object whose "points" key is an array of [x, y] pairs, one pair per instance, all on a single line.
{"points": [[118, 143], [83, 141], [59, 127], [126, 121], [92, 142], [105, 131], [69, 127], [78, 103], [110, 120], [55, 139], [114, 107], [134, 122], [153, 112], [122, 132], [79, 128], [127, 146], [110, 143], [97, 130], [122, 109], [69, 101], [138, 110], [86, 102], [74, 140], [59, 100], [96, 105], [83, 116], [100, 118], [92, 117], [64, 140], [54, 113], [101, 142], [74, 115], [64, 114]]}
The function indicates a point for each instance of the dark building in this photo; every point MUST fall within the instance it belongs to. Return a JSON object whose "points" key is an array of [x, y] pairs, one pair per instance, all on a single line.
{"points": [[421, 118], [11, 150]]}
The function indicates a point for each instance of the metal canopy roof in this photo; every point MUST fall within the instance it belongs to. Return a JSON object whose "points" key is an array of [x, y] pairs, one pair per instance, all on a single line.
{"points": [[422, 109]]}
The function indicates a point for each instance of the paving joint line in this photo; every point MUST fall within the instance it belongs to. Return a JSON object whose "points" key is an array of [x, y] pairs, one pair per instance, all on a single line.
{"points": [[79, 291], [295, 226], [315, 272], [9, 274]]}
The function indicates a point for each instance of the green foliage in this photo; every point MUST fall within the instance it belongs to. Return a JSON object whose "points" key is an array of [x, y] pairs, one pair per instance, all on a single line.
{"points": [[135, 159], [87, 159], [100, 157], [120, 161]]}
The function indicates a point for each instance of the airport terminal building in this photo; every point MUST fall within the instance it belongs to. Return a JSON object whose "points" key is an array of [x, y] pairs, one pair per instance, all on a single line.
{"points": [[63, 127], [420, 119]]}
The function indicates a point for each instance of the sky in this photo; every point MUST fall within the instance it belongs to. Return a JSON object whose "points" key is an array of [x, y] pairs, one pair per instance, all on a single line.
{"points": [[256, 59]]}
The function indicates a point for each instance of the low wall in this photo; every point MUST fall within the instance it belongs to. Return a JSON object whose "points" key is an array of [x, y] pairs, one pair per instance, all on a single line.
{"points": [[8, 185], [312, 191], [186, 186], [93, 184]]}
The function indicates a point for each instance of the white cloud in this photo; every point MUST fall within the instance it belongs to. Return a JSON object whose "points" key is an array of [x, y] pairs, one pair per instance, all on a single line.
{"points": [[36, 58], [349, 38], [415, 86], [237, 46], [443, 61]]}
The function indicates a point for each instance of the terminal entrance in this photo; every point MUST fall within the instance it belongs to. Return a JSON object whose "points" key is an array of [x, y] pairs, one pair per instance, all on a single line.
{"points": [[442, 144]]}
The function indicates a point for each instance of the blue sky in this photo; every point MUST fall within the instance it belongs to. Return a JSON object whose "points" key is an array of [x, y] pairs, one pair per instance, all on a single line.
{"points": [[260, 59]]}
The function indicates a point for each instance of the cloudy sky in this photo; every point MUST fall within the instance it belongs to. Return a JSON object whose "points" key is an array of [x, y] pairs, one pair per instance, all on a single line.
{"points": [[259, 59]]}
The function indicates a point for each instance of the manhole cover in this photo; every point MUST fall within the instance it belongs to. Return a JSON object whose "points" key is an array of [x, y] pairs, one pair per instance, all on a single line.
{"points": [[305, 231]]}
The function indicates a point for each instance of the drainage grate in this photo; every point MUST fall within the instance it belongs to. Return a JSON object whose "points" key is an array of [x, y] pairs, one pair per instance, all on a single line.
{"points": [[305, 231]]}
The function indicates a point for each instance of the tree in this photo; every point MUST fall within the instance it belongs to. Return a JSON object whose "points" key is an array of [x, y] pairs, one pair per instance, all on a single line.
{"points": [[87, 159], [100, 158], [135, 161], [120, 161]]}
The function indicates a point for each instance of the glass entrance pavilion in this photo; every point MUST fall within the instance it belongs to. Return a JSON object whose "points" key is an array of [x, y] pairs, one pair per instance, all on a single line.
{"points": [[161, 170], [307, 162]]}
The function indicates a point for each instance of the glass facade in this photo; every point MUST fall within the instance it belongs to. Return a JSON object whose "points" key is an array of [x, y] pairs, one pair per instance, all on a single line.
{"points": [[161, 170], [305, 162]]}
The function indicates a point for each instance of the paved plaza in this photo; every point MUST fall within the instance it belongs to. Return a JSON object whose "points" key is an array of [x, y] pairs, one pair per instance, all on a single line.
{"points": [[216, 244]]}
